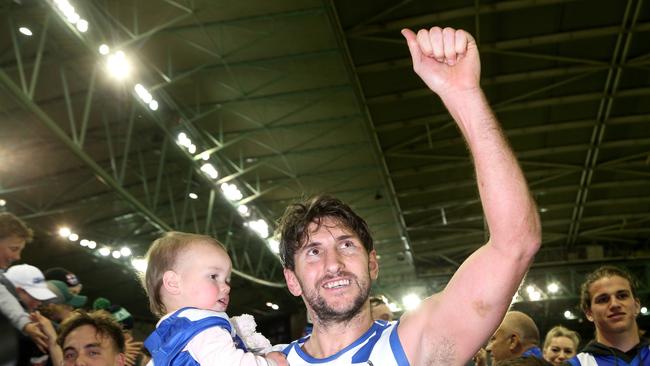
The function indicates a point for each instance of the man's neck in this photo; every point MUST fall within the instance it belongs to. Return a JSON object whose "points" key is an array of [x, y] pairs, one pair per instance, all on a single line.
{"points": [[329, 338], [623, 341]]}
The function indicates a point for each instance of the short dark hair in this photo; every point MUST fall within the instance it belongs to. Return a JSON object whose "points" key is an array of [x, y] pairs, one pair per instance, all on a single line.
{"points": [[103, 323], [11, 225], [293, 227], [604, 271]]}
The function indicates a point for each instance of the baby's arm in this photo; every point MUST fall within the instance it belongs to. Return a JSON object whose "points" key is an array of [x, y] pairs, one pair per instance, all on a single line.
{"points": [[278, 357], [214, 346]]}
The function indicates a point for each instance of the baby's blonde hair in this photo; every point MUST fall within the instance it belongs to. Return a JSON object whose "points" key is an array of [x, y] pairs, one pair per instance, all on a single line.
{"points": [[162, 256]]}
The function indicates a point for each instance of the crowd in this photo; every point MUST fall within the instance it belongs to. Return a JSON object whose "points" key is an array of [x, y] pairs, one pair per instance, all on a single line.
{"points": [[330, 262], [42, 307]]}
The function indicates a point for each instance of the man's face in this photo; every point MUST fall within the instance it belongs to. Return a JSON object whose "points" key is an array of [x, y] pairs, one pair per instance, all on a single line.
{"points": [[10, 249], [500, 345], [28, 300], [333, 272], [613, 309], [83, 346]]}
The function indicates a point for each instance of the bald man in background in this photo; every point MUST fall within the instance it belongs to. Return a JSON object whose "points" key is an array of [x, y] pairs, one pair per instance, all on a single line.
{"points": [[516, 337]]}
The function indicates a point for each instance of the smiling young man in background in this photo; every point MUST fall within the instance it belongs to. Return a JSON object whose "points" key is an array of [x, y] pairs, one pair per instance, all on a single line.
{"points": [[609, 300]]}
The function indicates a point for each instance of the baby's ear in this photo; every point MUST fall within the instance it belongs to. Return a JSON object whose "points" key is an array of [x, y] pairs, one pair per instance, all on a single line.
{"points": [[171, 282]]}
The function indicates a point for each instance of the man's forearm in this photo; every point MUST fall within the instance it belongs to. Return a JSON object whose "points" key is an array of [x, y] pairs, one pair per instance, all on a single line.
{"points": [[10, 307], [509, 208]]}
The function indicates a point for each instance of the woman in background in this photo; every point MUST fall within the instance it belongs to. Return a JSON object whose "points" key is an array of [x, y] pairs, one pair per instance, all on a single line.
{"points": [[560, 345]]}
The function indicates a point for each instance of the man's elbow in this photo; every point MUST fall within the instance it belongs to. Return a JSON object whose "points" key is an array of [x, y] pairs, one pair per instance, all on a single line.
{"points": [[531, 235], [522, 239]]}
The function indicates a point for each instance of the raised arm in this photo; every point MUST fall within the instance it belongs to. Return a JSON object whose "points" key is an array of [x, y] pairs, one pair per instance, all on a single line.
{"points": [[53, 348], [449, 327]]}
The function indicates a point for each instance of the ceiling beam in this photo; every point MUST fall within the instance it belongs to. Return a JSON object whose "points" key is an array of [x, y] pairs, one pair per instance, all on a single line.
{"points": [[445, 15], [525, 42], [373, 138], [619, 56]]}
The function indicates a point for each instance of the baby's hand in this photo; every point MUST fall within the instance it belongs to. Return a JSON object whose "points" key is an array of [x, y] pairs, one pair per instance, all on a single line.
{"points": [[278, 357]]}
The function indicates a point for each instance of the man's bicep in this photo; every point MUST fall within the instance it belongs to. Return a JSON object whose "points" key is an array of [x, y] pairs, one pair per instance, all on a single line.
{"points": [[474, 301]]}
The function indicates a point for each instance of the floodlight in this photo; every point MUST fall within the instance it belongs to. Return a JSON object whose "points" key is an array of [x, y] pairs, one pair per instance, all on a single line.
{"points": [[208, 169], [243, 210], [260, 227], [118, 66], [104, 49], [82, 25], [26, 31], [64, 232], [274, 245], [140, 264], [411, 301]]}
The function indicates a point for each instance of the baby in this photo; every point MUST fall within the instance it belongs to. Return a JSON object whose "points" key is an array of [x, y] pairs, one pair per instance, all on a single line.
{"points": [[188, 284]]}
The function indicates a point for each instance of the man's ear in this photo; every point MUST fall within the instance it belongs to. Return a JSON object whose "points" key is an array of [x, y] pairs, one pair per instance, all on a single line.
{"points": [[588, 315], [514, 341], [373, 265], [120, 359], [292, 282], [171, 282], [637, 306]]}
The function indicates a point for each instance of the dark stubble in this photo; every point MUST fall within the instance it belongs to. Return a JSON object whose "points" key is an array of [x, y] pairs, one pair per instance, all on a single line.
{"points": [[328, 315]]}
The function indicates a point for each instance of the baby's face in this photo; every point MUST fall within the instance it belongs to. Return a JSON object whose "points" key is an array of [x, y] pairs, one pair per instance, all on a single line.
{"points": [[204, 271]]}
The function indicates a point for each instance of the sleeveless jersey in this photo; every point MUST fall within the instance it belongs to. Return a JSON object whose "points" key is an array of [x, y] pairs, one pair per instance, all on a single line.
{"points": [[379, 346]]}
